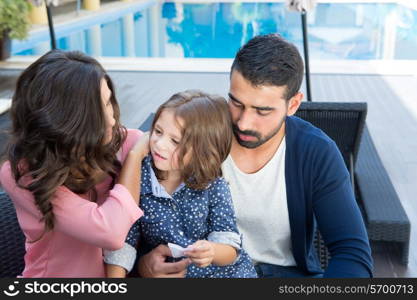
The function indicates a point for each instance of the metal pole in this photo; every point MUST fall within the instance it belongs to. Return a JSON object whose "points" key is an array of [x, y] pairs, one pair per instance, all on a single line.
{"points": [[306, 59], [78, 7], [51, 27]]}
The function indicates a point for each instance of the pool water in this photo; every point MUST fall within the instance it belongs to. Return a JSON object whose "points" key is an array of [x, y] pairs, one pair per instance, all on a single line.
{"points": [[217, 30]]}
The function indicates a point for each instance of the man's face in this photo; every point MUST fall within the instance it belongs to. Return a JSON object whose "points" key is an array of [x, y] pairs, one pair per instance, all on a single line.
{"points": [[258, 113]]}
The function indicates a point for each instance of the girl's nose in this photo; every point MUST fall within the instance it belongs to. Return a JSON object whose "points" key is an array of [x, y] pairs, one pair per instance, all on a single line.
{"points": [[161, 143]]}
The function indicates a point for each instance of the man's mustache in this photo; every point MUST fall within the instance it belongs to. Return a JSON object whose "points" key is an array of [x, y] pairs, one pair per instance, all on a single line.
{"points": [[246, 132]]}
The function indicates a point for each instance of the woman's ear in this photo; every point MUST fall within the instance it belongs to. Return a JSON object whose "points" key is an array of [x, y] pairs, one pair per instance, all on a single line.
{"points": [[294, 103]]}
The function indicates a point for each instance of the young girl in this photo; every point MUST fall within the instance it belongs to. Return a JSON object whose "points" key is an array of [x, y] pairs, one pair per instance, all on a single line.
{"points": [[64, 171], [185, 201]]}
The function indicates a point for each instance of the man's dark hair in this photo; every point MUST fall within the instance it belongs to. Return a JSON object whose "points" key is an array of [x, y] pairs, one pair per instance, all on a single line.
{"points": [[270, 60]]}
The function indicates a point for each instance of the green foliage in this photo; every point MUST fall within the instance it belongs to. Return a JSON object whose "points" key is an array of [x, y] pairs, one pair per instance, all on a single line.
{"points": [[14, 18]]}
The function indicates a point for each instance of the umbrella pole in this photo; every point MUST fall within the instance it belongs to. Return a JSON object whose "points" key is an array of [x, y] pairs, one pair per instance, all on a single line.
{"points": [[306, 59], [51, 27]]}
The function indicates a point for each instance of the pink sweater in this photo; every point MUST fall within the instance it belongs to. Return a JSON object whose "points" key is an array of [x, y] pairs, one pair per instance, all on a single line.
{"points": [[82, 228]]}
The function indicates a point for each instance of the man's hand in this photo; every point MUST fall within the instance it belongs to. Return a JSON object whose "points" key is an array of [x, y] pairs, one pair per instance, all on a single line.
{"points": [[153, 265]]}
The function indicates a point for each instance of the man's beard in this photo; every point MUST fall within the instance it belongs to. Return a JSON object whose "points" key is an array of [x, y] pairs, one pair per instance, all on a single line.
{"points": [[259, 139]]}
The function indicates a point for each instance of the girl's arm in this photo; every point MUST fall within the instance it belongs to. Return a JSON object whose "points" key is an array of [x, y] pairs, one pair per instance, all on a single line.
{"points": [[223, 242], [114, 271], [223, 254], [120, 262]]}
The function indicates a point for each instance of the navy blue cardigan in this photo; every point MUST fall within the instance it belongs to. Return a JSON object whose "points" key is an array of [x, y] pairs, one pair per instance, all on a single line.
{"points": [[319, 193]]}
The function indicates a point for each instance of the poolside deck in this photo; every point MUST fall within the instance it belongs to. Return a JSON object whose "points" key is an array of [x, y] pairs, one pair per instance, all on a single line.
{"points": [[392, 121]]}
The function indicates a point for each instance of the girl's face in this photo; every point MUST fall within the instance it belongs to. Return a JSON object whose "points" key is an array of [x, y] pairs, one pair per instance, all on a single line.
{"points": [[164, 141], [107, 109]]}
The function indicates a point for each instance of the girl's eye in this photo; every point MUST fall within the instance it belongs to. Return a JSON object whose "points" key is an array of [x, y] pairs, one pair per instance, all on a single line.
{"points": [[157, 131], [175, 142]]}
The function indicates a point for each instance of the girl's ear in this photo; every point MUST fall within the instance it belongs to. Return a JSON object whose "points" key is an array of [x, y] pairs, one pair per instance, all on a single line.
{"points": [[294, 103]]}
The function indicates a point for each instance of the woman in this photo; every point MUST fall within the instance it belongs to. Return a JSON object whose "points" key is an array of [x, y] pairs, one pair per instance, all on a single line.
{"points": [[64, 168]]}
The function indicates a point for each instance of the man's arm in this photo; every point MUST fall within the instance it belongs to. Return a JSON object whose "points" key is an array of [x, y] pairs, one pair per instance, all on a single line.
{"points": [[339, 218]]}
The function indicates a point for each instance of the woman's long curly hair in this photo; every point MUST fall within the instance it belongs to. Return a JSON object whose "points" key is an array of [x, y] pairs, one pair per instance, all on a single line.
{"points": [[59, 128]]}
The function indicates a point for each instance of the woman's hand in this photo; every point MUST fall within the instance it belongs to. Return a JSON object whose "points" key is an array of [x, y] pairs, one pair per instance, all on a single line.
{"points": [[141, 147], [130, 174], [201, 253]]}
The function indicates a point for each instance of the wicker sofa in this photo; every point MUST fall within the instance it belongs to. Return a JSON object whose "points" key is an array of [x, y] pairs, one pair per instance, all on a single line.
{"points": [[382, 210]]}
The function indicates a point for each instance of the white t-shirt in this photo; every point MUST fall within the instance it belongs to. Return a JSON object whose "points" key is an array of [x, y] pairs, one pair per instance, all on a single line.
{"points": [[260, 202]]}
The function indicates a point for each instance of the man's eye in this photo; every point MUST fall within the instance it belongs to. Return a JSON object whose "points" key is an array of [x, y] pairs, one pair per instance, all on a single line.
{"points": [[263, 112], [235, 103], [157, 131]]}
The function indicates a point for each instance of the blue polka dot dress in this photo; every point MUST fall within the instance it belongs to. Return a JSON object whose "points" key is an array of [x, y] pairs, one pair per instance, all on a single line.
{"points": [[183, 218]]}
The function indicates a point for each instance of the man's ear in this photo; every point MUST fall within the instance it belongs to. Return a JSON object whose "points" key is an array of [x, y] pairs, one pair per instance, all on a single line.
{"points": [[294, 103]]}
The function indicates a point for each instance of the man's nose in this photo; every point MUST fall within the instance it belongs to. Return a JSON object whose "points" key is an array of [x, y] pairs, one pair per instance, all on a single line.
{"points": [[245, 121]]}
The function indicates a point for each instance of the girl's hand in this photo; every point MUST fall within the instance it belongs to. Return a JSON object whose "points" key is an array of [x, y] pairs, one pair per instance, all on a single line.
{"points": [[201, 253], [142, 145]]}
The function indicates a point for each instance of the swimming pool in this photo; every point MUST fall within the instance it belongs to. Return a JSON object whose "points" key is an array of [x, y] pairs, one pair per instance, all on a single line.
{"points": [[358, 31]]}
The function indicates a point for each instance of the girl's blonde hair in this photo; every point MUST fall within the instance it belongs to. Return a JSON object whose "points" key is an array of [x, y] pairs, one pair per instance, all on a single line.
{"points": [[206, 130]]}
